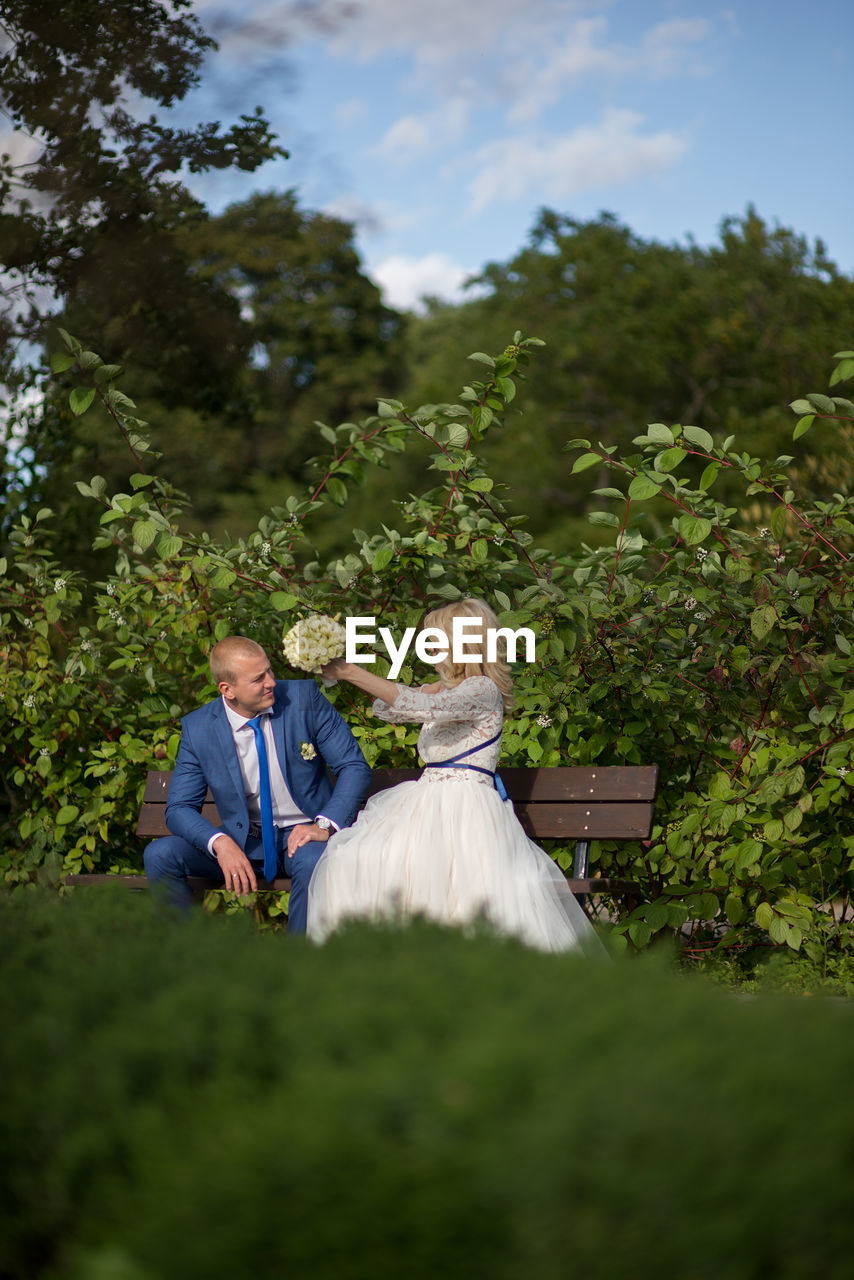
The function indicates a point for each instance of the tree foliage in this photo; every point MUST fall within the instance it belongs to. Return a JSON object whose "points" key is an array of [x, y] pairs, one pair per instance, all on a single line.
{"points": [[715, 646], [639, 331], [90, 186]]}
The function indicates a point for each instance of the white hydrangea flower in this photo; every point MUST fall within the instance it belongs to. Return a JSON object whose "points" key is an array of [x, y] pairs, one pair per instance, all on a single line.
{"points": [[312, 642]]}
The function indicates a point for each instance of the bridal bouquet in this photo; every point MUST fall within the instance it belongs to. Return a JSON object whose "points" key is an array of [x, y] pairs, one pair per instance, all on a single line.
{"points": [[312, 642]]}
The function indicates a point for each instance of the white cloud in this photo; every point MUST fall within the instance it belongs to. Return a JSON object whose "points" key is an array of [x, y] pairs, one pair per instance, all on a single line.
{"points": [[406, 281], [412, 136], [610, 153], [351, 111], [664, 51]]}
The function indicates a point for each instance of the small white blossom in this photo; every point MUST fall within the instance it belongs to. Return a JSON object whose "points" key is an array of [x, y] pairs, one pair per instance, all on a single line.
{"points": [[265, 548], [499, 539], [690, 604], [29, 624], [163, 635], [779, 559], [701, 553], [659, 667], [293, 520], [111, 589], [795, 594], [85, 646], [544, 721], [117, 617], [29, 701], [59, 585], [765, 533], [308, 751], [44, 751], [699, 616], [842, 771]]}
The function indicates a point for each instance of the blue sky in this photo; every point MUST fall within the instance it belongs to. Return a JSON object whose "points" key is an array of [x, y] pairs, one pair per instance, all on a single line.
{"points": [[440, 128]]}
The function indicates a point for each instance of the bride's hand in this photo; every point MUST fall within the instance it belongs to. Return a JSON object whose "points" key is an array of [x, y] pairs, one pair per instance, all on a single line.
{"points": [[334, 670]]}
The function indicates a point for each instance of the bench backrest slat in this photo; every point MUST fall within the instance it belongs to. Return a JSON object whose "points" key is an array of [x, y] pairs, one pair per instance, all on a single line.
{"points": [[560, 803]]}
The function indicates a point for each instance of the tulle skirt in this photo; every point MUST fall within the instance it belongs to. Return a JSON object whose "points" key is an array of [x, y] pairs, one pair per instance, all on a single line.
{"points": [[447, 848]]}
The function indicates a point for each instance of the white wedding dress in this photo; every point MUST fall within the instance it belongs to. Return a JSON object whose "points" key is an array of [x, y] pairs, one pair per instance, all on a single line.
{"points": [[446, 846]]}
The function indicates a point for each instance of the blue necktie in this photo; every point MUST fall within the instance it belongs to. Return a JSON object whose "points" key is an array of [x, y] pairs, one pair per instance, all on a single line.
{"points": [[268, 832]]}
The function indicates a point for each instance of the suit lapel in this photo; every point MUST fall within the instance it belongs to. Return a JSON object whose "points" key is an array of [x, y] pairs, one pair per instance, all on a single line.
{"points": [[225, 742], [281, 712]]}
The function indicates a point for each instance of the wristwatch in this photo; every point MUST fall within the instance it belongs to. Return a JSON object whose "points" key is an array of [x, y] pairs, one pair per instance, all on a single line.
{"points": [[325, 824]]}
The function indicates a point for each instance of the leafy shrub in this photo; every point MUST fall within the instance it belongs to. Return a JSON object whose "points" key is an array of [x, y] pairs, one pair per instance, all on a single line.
{"points": [[711, 639], [204, 1101]]}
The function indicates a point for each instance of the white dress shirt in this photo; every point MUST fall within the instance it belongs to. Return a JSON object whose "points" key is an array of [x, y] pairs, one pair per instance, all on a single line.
{"points": [[286, 811]]}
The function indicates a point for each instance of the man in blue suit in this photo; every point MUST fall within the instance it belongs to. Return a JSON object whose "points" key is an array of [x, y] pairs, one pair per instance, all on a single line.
{"points": [[303, 734]]}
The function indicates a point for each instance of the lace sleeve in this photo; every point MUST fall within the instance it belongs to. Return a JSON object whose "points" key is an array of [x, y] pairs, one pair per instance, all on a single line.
{"points": [[470, 700]]}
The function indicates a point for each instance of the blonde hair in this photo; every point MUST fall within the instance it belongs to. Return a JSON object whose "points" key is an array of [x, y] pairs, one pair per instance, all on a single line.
{"points": [[223, 654], [453, 673]]}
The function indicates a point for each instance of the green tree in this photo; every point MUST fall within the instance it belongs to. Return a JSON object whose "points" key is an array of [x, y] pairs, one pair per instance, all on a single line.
{"points": [[639, 332], [88, 189]]}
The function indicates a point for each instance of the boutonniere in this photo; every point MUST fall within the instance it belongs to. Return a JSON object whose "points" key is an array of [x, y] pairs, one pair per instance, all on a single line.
{"points": [[307, 751]]}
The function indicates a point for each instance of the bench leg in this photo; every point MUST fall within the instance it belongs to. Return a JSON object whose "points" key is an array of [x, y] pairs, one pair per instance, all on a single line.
{"points": [[580, 866]]}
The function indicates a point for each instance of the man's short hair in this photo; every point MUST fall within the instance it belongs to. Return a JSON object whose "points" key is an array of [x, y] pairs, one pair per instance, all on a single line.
{"points": [[224, 653]]}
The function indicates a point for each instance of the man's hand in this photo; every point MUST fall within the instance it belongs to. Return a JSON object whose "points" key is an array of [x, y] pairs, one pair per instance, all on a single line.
{"points": [[235, 866], [303, 833]]}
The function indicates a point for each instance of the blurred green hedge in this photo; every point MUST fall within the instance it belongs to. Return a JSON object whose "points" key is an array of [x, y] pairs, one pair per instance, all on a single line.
{"points": [[205, 1101]]}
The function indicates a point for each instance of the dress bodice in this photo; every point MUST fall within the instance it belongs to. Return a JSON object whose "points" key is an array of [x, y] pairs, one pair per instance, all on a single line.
{"points": [[454, 720]]}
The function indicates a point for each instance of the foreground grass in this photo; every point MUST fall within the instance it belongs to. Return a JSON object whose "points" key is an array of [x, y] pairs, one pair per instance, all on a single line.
{"points": [[203, 1100]]}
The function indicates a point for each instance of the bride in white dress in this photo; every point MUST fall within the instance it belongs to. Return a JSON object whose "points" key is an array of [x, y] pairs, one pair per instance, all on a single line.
{"points": [[446, 846]]}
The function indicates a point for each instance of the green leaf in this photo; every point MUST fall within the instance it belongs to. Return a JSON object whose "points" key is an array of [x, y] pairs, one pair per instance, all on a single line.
{"points": [[503, 600], [576, 444], [843, 645], [640, 933], [707, 479], [734, 908], [764, 915], [659, 433], [480, 551], [843, 371], [669, 459], [337, 490], [223, 578], [693, 529], [824, 404], [482, 358], [80, 399], [696, 435], [67, 814], [778, 522], [643, 487], [283, 601], [144, 532], [168, 545], [800, 406], [762, 620], [384, 556], [139, 480], [802, 426], [609, 493], [586, 460], [60, 361], [603, 517]]}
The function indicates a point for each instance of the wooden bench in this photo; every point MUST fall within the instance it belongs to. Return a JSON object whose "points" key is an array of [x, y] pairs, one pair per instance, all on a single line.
{"points": [[612, 802]]}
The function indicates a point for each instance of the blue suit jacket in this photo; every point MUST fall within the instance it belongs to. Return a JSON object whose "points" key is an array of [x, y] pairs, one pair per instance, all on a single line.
{"points": [[207, 757]]}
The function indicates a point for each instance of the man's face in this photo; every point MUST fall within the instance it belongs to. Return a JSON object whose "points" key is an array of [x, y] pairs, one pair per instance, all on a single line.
{"points": [[253, 687]]}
